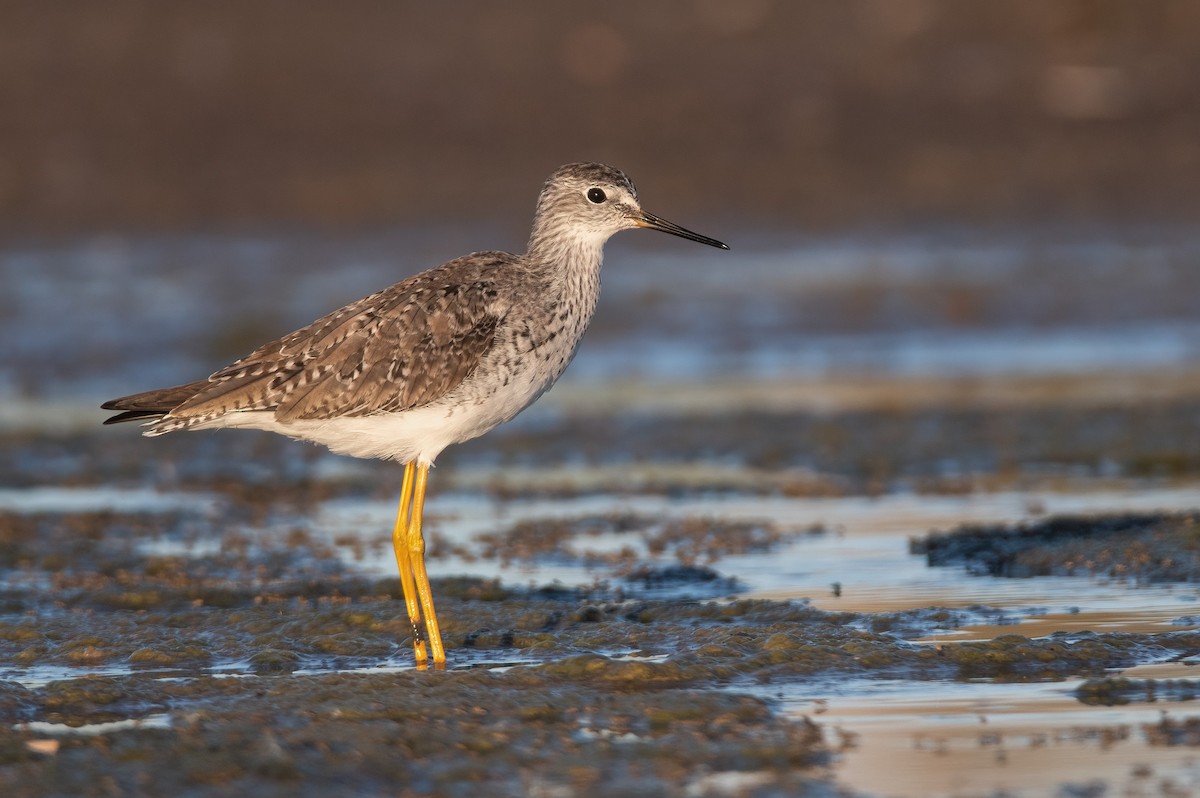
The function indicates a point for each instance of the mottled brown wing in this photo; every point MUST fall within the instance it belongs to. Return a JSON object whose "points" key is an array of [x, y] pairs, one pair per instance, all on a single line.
{"points": [[398, 358], [404, 347]]}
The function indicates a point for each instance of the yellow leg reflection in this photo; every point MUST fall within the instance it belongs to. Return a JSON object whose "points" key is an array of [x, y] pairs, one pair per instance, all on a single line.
{"points": [[416, 554], [400, 543]]}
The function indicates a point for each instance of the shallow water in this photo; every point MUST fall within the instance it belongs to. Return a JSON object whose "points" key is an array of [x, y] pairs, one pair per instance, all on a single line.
{"points": [[157, 721], [912, 740], [859, 543], [51, 499]]}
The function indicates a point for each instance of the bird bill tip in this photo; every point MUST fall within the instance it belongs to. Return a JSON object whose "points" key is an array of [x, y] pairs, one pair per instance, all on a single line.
{"points": [[651, 222]]}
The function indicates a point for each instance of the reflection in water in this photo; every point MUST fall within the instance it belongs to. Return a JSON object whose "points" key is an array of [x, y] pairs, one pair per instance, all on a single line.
{"points": [[920, 740]]}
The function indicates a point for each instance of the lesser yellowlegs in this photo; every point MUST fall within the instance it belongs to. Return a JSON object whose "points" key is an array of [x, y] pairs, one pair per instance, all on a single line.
{"points": [[437, 359]]}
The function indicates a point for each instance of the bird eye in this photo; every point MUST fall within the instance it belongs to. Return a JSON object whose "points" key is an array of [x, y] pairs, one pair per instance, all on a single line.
{"points": [[596, 195]]}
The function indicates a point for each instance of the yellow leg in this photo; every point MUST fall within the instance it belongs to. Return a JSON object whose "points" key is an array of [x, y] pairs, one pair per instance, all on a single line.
{"points": [[404, 563], [416, 553]]}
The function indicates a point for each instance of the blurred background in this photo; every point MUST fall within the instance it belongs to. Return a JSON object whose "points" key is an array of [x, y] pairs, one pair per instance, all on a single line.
{"points": [[813, 115], [932, 201]]}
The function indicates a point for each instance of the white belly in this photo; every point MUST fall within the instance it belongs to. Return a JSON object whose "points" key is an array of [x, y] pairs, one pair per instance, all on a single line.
{"points": [[417, 435]]}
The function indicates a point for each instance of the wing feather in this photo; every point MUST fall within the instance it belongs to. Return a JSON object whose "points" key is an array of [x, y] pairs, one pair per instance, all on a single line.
{"points": [[402, 348]]}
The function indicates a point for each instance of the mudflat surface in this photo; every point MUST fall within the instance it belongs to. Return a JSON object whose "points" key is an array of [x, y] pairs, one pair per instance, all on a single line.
{"points": [[217, 616]]}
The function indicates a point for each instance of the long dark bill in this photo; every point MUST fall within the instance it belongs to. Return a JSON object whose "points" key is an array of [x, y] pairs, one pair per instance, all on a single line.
{"points": [[652, 222]]}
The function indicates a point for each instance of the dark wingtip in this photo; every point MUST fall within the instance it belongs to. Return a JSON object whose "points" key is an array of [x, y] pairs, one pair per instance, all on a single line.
{"points": [[151, 404], [130, 415]]}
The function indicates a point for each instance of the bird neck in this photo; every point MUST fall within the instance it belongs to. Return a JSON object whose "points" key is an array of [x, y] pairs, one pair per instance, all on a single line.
{"points": [[570, 257]]}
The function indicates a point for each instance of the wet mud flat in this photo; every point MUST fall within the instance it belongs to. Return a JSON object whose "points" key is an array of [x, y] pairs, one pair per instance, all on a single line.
{"points": [[212, 614], [272, 667], [267, 671], [603, 730]]}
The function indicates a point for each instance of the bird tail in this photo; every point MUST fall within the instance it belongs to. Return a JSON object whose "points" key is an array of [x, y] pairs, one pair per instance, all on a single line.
{"points": [[150, 405]]}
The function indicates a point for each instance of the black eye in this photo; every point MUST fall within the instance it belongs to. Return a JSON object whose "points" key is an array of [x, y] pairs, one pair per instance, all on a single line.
{"points": [[596, 195]]}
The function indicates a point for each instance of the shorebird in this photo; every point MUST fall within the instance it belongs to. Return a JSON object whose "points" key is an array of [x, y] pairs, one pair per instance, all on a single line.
{"points": [[437, 359]]}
